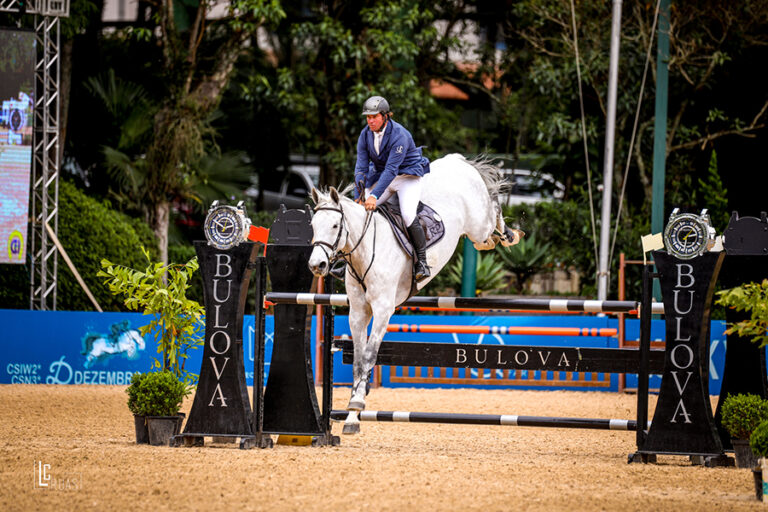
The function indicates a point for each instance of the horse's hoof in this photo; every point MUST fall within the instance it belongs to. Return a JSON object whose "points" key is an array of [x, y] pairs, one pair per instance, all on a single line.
{"points": [[355, 405], [351, 428]]}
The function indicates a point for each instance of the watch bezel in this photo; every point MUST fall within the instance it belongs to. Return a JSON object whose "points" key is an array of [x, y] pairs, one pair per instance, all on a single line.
{"points": [[705, 241], [239, 233]]}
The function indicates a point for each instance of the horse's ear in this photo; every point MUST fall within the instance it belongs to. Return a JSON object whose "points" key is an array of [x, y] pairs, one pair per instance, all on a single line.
{"points": [[335, 195], [315, 195]]}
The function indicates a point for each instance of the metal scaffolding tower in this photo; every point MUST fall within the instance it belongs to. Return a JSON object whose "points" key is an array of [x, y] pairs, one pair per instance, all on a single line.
{"points": [[44, 207]]}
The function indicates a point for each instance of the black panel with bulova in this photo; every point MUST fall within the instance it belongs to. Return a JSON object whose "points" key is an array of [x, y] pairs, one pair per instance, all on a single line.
{"points": [[221, 407], [746, 260], [290, 401]]}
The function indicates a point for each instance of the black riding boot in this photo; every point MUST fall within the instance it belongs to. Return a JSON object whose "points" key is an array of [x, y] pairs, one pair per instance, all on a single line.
{"points": [[419, 241]]}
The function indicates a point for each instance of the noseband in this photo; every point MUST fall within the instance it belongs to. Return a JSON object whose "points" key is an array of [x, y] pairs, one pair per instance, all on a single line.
{"points": [[336, 253]]}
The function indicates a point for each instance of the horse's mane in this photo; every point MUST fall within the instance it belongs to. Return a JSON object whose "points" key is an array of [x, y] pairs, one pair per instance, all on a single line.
{"points": [[324, 194], [491, 174]]}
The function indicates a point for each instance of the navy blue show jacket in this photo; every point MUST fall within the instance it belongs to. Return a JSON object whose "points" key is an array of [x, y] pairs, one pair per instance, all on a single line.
{"points": [[397, 155]]}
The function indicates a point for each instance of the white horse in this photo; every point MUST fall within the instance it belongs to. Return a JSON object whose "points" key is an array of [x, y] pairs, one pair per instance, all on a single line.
{"points": [[121, 340], [464, 194]]}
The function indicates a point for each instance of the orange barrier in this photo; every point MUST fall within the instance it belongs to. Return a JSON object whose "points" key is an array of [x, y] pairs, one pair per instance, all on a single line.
{"points": [[503, 329]]}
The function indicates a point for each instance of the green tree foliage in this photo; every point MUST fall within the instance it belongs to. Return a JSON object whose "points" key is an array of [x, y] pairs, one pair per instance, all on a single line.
{"points": [[714, 196], [539, 84], [753, 298], [161, 291], [196, 57], [331, 58]]}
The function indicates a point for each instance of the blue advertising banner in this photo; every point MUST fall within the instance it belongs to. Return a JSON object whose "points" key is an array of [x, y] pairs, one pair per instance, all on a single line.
{"points": [[64, 347]]}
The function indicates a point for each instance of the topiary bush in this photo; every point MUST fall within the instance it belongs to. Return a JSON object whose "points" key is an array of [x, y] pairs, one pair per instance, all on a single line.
{"points": [[91, 231], [133, 392], [741, 414], [156, 394], [758, 441]]}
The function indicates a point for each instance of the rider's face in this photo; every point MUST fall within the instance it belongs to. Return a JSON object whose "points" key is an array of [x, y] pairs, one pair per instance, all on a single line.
{"points": [[375, 122]]}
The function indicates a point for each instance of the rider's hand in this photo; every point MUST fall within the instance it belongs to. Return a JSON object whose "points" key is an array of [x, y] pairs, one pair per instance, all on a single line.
{"points": [[359, 200], [370, 203]]}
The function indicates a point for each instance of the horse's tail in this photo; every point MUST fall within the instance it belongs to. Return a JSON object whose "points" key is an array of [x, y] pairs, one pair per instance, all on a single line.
{"points": [[491, 174]]}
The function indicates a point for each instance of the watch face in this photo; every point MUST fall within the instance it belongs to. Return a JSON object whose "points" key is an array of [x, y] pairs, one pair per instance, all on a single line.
{"points": [[224, 227], [686, 236]]}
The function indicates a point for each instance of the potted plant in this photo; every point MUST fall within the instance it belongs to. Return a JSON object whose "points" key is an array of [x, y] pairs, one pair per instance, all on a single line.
{"points": [[741, 414], [160, 291], [139, 419], [758, 441], [158, 396]]}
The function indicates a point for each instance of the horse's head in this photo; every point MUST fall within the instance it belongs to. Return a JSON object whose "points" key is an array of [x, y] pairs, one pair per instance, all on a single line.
{"points": [[137, 338], [329, 230]]}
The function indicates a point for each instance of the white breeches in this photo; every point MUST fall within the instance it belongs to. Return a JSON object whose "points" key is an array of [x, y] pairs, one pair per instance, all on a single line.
{"points": [[408, 189]]}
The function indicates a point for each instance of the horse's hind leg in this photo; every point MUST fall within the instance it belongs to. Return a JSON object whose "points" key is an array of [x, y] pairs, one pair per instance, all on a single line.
{"points": [[508, 236]]}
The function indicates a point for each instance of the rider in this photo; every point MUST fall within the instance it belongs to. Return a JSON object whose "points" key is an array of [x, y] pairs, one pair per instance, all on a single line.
{"points": [[388, 162]]}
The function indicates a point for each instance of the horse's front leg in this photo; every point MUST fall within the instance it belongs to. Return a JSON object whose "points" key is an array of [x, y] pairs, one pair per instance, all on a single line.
{"points": [[381, 315], [367, 357], [359, 318]]}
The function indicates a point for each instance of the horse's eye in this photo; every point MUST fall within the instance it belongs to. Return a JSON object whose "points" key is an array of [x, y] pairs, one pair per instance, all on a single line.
{"points": [[335, 226]]}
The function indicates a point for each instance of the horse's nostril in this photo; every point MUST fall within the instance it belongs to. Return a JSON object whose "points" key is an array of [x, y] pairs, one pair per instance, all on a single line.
{"points": [[322, 265]]}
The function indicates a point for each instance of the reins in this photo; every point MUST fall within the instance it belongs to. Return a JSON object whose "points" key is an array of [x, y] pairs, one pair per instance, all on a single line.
{"points": [[339, 254]]}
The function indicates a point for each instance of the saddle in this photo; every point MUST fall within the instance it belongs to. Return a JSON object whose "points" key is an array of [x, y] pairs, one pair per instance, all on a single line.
{"points": [[434, 229]]}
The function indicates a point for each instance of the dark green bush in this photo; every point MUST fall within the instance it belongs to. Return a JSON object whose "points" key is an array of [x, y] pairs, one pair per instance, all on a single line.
{"points": [[133, 392], [156, 394], [758, 441], [90, 231], [741, 414]]}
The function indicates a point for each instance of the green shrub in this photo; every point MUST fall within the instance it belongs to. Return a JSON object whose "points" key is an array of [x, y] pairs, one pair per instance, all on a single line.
{"points": [[181, 254], [161, 291], [753, 298], [741, 414], [156, 394], [758, 441], [133, 392]]}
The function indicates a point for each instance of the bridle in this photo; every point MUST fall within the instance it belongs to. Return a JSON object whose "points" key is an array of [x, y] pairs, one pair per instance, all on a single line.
{"points": [[334, 253]]}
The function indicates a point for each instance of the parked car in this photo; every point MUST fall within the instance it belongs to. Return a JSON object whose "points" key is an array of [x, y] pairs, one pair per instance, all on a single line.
{"points": [[293, 189], [530, 187]]}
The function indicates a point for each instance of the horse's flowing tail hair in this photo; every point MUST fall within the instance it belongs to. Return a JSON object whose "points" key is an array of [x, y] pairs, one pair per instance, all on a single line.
{"points": [[491, 174]]}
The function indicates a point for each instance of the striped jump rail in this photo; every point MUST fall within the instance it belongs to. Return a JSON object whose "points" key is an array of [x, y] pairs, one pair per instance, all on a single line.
{"points": [[555, 305], [503, 329], [509, 420]]}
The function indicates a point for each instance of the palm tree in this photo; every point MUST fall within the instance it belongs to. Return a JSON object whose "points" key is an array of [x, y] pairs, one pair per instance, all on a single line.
{"points": [[525, 259]]}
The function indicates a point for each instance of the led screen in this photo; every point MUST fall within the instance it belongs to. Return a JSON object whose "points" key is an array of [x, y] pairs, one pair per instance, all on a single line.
{"points": [[17, 85]]}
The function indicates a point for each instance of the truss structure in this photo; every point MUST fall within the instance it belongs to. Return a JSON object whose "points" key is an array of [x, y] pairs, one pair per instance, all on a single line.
{"points": [[44, 204]]}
